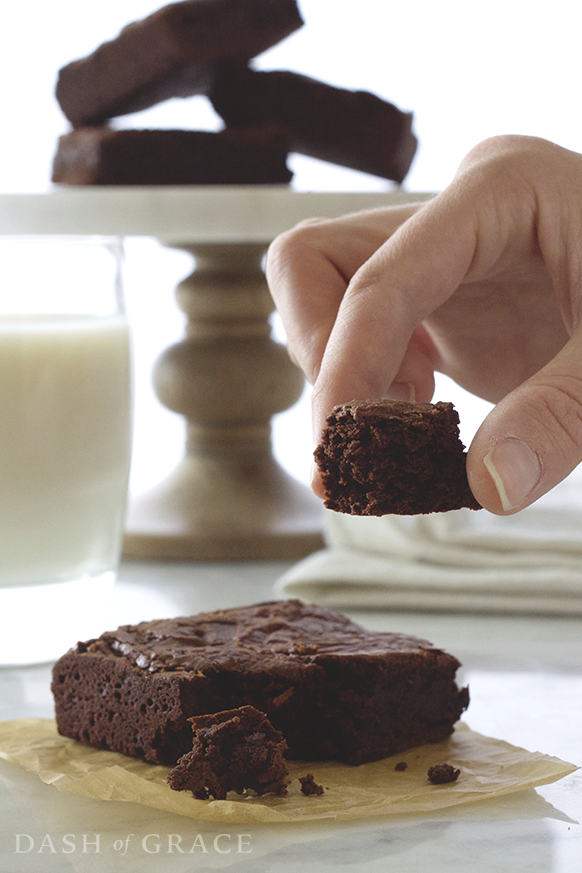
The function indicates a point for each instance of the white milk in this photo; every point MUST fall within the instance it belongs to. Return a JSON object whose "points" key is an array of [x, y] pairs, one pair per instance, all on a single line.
{"points": [[64, 446]]}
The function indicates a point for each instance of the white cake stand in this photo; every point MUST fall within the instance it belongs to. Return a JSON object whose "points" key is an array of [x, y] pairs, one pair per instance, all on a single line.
{"points": [[228, 499]]}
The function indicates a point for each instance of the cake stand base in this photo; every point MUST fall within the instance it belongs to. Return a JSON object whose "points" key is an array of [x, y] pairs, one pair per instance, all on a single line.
{"points": [[215, 509]]}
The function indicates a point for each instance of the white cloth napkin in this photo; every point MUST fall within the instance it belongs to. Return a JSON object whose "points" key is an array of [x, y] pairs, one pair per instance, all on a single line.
{"points": [[530, 562]]}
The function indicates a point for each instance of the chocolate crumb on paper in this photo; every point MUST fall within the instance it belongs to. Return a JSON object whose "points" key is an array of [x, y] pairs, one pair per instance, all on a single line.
{"points": [[309, 786], [441, 774]]}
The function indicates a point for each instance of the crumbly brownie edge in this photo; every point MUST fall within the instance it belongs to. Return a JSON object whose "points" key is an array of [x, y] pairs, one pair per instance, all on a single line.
{"points": [[234, 750]]}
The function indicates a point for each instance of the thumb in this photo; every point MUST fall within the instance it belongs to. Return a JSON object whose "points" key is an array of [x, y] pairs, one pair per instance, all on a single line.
{"points": [[532, 439]]}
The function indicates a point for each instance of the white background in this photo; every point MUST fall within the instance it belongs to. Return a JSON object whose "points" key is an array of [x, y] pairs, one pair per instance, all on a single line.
{"points": [[467, 70]]}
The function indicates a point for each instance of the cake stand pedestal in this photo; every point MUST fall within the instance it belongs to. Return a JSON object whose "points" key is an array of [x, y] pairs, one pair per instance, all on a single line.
{"points": [[228, 498]]}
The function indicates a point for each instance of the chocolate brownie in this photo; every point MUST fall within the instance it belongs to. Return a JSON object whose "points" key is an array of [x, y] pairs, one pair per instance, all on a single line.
{"points": [[353, 128], [169, 54], [385, 457], [102, 156], [232, 751], [333, 689]]}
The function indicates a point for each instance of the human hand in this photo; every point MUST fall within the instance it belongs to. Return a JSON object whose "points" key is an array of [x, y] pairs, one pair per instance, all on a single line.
{"points": [[482, 283]]}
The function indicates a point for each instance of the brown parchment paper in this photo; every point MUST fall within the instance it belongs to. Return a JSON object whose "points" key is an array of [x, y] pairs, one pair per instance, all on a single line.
{"points": [[489, 767]]}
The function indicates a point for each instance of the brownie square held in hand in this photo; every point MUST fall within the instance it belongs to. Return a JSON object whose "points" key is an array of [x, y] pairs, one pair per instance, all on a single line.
{"points": [[386, 457]]}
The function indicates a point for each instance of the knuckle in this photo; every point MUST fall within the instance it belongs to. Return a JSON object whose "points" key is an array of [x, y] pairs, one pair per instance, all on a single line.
{"points": [[500, 162], [295, 240], [287, 252], [562, 413]]}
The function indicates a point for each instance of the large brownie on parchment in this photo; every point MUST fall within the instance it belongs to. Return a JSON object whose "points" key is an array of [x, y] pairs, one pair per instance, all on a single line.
{"points": [[382, 457], [333, 689]]}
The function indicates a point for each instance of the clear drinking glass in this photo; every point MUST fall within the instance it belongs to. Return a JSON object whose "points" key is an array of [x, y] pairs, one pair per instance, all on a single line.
{"points": [[65, 437]]}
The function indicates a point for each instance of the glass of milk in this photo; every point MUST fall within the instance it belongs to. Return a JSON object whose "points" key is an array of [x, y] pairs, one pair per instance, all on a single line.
{"points": [[65, 437]]}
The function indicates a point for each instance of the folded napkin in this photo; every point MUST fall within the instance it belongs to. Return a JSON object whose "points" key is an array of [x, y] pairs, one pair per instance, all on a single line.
{"points": [[530, 562]]}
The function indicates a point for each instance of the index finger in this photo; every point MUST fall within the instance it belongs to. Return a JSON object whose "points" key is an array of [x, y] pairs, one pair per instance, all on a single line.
{"points": [[310, 267], [419, 267]]}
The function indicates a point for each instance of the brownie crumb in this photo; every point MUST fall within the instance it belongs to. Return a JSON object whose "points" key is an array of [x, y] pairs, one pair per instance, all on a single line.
{"points": [[440, 774], [309, 786], [234, 750], [402, 765]]}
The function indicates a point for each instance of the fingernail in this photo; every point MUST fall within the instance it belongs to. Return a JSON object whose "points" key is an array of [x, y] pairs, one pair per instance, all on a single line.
{"points": [[403, 391], [515, 470]]}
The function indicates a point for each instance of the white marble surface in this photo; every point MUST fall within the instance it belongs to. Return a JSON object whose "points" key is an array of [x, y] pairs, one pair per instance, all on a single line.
{"points": [[180, 213], [525, 676]]}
